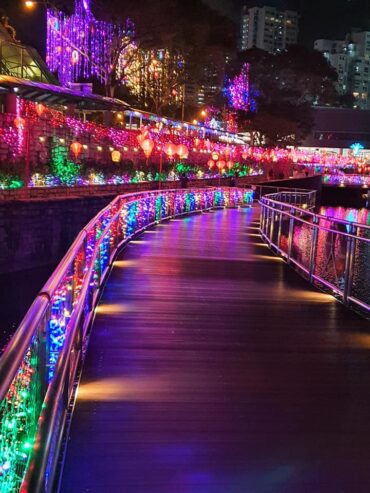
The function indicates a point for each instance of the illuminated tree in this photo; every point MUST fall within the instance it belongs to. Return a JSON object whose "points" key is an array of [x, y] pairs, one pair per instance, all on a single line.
{"points": [[156, 78], [80, 47], [240, 93]]}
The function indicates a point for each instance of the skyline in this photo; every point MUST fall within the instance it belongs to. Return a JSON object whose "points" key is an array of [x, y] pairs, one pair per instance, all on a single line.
{"points": [[336, 19]]}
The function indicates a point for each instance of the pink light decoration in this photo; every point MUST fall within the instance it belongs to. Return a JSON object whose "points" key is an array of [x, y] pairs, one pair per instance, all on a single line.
{"points": [[80, 46], [239, 92]]}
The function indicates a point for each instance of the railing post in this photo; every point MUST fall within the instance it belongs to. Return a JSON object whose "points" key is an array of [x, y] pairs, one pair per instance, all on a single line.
{"points": [[290, 238], [279, 231], [348, 270], [315, 233]]}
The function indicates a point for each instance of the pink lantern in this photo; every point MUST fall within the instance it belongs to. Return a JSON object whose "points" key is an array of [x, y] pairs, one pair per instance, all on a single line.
{"points": [[182, 151], [170, 149], [147, 146]]}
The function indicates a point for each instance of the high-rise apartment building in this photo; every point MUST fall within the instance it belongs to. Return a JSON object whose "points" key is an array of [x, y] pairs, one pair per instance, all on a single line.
{"points": [[268, 28], [351, 60]]}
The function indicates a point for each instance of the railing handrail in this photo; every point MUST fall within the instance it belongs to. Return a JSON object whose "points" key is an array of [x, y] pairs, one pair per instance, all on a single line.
{"points": [[275, 214], [272, 199], [314, 223]]}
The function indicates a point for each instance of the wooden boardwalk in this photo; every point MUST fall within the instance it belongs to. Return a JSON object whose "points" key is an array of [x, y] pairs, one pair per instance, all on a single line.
{"points": [[214, 368]]}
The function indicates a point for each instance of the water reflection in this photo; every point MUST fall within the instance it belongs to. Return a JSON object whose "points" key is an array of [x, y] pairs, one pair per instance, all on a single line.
{"points": [[361, 216]]}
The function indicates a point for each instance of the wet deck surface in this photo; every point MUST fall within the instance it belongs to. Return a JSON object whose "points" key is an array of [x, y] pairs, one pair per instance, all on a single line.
{"points": [[214, 368]]}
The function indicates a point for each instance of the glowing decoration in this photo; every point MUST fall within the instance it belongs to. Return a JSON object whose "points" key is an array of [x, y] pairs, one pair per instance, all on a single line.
{"points": [[116, 156], [210, 164], [182, 151], [245, 155], [215, 156], [19, 122], [147, 146], [170, 149], [40, 109], [357, 148], [67, 171], [230, 165], [76, 148], [239, 92], [80, 46], [221, 164]]}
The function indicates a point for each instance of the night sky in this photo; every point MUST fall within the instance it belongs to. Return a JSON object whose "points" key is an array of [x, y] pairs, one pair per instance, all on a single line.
{"points": [[319, 18]]}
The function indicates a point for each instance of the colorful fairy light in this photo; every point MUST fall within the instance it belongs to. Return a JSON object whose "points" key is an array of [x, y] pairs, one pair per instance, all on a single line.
{"points": [[240, 93], [80, 46]]}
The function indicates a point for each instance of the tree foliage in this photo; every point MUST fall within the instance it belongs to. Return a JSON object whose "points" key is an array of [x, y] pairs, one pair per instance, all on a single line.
{"points": [[289, 85]]}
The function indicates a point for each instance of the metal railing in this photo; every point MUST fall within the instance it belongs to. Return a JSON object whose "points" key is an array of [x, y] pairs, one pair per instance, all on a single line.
{"points": [[329, 252], [38, 368]]}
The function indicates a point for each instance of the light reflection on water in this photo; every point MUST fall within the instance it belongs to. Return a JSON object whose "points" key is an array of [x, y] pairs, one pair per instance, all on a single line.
{"points": [[361, 216]]}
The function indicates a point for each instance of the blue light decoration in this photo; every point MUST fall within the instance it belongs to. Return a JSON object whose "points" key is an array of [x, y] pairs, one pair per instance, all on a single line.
{"points": [[357, 148], [239, 92]]}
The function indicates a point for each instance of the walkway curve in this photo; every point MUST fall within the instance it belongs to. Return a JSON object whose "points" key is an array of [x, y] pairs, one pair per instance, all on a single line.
{"points": [[214, 368]]}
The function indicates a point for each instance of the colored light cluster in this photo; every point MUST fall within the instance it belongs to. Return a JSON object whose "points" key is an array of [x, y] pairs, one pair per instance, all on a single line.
{"points": [[20, 410], [19, 413], [240, 93], [342, 180], [81, 46]]}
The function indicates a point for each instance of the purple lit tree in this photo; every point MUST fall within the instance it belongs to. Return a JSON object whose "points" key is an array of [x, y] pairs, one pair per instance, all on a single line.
{"points": [[240, 94], [80, 47]]}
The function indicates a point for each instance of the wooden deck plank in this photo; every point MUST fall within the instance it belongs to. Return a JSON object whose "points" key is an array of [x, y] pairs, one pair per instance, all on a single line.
{"points": [[214, 368]]}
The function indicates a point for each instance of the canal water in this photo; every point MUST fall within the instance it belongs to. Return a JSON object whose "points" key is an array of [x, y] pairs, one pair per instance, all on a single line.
{"points": [[19, 289]]}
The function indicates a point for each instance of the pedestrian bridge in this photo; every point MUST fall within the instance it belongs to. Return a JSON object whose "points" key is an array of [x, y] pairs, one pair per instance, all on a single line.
{"points": [[209, 364]]}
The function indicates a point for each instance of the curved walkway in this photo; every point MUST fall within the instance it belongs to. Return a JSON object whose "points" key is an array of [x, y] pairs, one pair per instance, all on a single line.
{"points": [[214, 368]]}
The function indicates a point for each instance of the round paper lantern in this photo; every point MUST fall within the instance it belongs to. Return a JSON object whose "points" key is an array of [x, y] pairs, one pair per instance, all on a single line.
{"points": [[116, 156], [170, 149], [210, 163], [221, 164], [182, 151], [19, 122], [147, 146], [230, 164], [215, 156], [244, 155], [196, 142], [76, 148]]}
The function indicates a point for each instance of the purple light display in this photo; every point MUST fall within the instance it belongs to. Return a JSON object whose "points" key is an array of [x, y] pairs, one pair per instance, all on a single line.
{"points": [[239, 92], [80, 46]]}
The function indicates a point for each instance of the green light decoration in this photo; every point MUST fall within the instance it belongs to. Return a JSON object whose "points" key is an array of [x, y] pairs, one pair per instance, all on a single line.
{"points": [[19, 413], [10, 182], [67, 171]]}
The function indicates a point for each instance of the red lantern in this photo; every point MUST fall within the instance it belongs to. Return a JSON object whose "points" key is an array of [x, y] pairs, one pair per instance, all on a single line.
{"points": [[19, 122], [170, 149], [76, 148], [40, 108], [211, 163], [182, 151], [244, 155], [147, 146], [230, 164], [196, 142], [221, 165]]}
